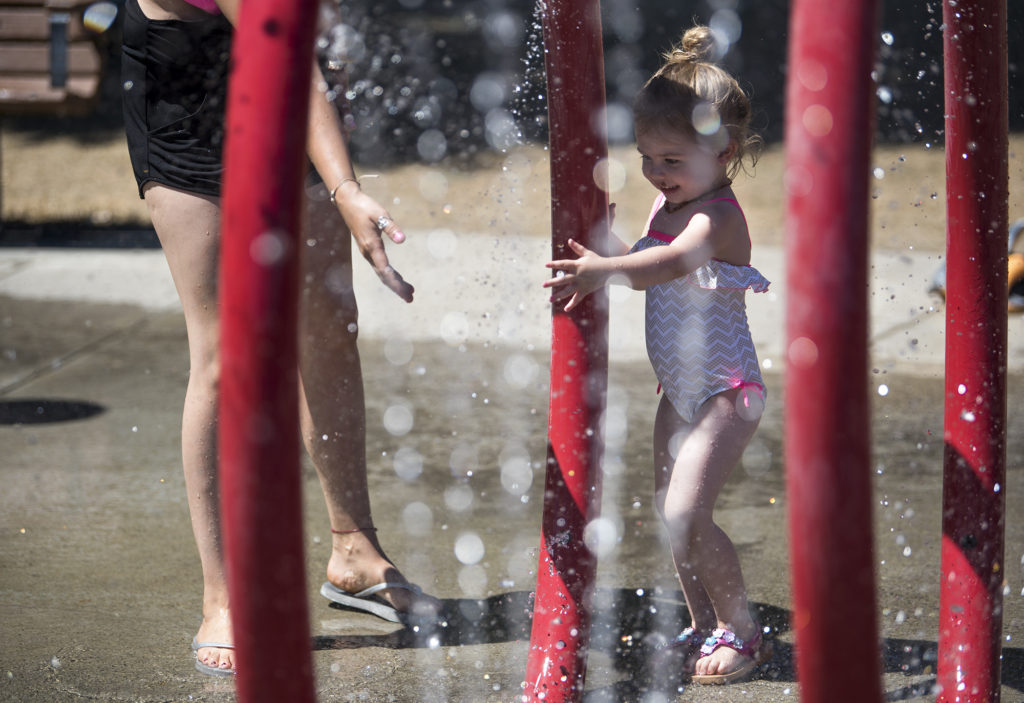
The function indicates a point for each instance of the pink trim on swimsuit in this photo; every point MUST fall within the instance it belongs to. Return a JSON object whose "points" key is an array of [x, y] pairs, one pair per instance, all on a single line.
{"points": [[206, 6]]}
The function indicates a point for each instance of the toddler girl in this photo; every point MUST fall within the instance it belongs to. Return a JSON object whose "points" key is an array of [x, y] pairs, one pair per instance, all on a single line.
{"points": [[691, 121]]}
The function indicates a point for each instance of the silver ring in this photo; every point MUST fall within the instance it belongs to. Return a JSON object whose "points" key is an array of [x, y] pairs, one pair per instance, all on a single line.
{"points": [[382, 222]]}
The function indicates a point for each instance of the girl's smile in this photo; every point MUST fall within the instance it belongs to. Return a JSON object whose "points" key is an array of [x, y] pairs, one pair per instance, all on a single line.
{"points": [[681, 168]]}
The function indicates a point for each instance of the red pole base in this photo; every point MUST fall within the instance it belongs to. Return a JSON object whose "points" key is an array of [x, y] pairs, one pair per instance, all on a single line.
{"points": [[259, 439], [974, 470], [556, 668], [830, 98]]}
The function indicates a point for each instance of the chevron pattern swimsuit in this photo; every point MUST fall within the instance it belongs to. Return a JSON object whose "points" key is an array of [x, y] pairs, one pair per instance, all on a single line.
{"points": [[698, 338]]}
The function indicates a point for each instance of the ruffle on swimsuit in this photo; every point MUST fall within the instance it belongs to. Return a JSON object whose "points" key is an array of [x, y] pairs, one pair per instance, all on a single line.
{"points": [[721, 274]]}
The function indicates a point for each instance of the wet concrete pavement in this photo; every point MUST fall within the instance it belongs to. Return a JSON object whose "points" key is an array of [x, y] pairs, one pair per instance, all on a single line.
{"points": [[99, 576]]}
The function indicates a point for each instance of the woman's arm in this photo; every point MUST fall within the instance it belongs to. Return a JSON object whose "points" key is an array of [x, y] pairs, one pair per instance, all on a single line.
{"points": [[328, 150]]}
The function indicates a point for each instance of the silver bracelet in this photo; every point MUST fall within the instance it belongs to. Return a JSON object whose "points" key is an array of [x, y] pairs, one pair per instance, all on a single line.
{"points": [[343, 182]]}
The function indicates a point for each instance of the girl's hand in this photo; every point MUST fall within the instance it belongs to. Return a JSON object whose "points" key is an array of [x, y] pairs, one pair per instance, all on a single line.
{"points": [[362, 215], [576, 278]]}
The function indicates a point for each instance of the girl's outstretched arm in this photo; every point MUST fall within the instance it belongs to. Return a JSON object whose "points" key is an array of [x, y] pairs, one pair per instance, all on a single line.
{"points": [[575, 279]]}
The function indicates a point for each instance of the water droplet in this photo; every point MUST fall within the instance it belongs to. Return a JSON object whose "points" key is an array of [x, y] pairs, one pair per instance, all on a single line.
{"points": [[417, 518], [610, 175], [516, 475], [803, 352], [268, 248], [469, 548], [458, 498], [398, 351], [817, 120], [705, 119], [398, 419], [432, 145], [601, 536], [408, 463]]}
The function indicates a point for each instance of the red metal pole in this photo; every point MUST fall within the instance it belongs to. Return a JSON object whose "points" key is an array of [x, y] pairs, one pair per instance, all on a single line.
{"points": [[974, 469], [829, 124], [556, 667], [259, 436]]}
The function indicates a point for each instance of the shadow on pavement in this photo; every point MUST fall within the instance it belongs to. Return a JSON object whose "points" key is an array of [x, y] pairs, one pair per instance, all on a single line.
{"points": [[630, 631], [80, 234], [38, 411]]}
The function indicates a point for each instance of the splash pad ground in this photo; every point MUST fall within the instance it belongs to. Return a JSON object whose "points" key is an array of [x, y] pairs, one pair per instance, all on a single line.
{"points": [[100, 576]]}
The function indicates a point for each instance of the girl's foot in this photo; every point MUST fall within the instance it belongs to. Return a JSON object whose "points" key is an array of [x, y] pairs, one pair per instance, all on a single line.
{"points": [[216, 628], [726, 658]]}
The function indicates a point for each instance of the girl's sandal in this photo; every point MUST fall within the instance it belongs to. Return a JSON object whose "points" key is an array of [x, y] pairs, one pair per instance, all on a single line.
{"points": [[756, 650]]}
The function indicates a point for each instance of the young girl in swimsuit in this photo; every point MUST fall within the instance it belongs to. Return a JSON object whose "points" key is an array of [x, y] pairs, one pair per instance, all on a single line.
{"points": [[691, 121]]}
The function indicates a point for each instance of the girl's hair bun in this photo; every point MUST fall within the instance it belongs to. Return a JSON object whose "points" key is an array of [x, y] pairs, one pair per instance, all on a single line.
{"points": [[696, 46]]}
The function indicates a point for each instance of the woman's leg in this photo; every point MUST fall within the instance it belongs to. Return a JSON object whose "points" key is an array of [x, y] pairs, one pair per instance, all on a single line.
{"points": [[705, 558], [333, 412], [188, 227]]}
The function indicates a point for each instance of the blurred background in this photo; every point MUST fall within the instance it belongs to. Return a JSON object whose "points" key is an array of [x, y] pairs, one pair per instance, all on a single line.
{"points": [[456, 85]]}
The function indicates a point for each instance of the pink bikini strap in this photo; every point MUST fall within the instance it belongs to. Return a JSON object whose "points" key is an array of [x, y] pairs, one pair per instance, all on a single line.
{"points": [[658, 201], [209, 6]]}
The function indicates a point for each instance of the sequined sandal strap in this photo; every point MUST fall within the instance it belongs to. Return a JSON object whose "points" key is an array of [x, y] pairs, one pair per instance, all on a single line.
{"points": [[727, 638]]}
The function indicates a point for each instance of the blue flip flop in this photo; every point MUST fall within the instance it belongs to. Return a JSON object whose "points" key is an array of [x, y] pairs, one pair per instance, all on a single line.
{"points": [[206, 668], [367, 601]]}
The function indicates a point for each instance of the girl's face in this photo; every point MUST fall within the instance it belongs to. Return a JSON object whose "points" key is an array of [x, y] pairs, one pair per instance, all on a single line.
{"points": [[680, 167]]}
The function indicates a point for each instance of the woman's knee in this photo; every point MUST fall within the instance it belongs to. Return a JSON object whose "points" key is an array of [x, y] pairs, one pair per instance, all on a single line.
{"points": [[204, 367]]}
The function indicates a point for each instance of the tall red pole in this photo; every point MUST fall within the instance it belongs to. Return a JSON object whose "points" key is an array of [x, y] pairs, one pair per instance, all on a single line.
{"points": [[974, 469], [259, 439], [556, 667], [829, 124]]}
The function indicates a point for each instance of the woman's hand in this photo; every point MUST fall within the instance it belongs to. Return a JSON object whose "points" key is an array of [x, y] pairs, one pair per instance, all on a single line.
{"points": [[364, 217], [577, 278]]}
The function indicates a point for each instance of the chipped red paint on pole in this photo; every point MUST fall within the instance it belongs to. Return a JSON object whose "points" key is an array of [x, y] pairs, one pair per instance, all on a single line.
{"points": [[829, 122], [556, 667], [259, 436], [973, 503]]}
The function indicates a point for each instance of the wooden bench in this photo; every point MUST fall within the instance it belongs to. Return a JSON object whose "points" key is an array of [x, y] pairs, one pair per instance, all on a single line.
{"points": [[49, 59]]}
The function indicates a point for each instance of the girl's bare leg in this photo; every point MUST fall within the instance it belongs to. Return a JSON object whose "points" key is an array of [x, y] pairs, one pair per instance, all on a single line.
{"points": [[188, 227], [333, 412], [688, 482]]}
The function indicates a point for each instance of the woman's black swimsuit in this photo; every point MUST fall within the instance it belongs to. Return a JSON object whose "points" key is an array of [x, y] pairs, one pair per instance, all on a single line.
{"points": [[174, 75]]}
